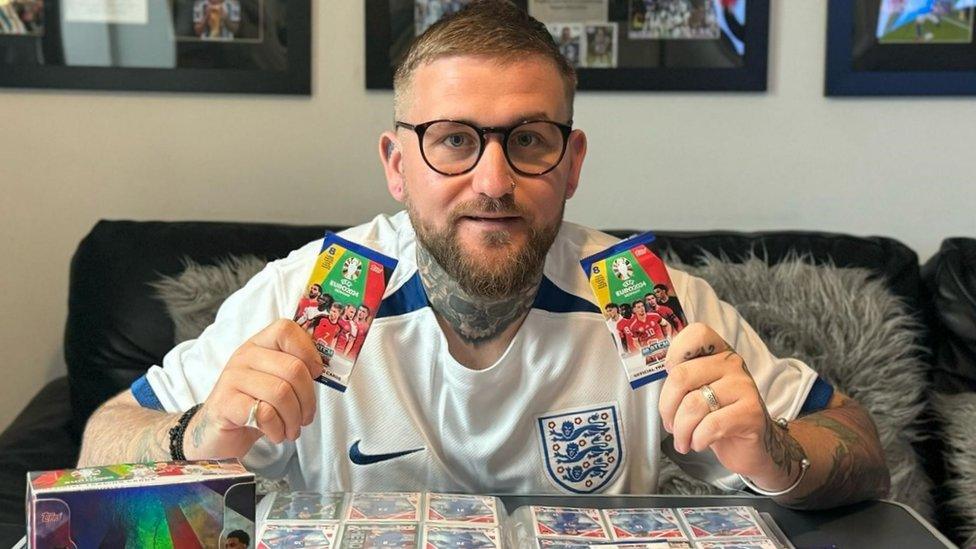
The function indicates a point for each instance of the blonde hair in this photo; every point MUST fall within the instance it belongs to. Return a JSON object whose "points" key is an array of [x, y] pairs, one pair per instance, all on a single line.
{"points": [[496, 29]]}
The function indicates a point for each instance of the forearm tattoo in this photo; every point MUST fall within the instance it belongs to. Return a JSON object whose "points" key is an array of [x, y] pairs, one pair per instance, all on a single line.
{"points": [[857, 469], [475, 320]]}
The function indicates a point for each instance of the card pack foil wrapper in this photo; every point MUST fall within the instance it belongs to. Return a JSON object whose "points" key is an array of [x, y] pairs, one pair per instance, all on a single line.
{"points": [[163, 504], [635, 293], [339, 303]]}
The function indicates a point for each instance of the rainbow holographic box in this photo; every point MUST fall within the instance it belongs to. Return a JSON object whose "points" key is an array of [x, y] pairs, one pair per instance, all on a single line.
{"points": [[179, 504]]}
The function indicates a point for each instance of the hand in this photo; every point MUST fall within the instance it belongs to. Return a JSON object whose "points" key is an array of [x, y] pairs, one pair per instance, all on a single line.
{"points": [[275, 368], [740, 431]]}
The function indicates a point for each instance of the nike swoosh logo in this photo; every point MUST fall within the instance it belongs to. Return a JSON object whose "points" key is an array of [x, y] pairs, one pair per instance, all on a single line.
{"points": [[360, 458]]}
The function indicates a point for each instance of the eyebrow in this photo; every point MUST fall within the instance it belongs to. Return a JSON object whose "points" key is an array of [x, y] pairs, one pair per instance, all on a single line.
{"points": [[535, 115]]}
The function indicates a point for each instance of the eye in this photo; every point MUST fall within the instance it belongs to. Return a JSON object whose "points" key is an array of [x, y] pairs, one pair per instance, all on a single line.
{"points": [[525, 139], [456, 140]]}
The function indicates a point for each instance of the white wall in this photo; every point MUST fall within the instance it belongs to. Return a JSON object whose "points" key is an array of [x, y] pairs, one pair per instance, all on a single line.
{"points": [[788, 158]]}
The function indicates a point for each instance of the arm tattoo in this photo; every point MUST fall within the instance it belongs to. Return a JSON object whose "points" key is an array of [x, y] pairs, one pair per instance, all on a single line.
{"points": [[475, 320], [784, 450], [857, 469], [119, 433]]}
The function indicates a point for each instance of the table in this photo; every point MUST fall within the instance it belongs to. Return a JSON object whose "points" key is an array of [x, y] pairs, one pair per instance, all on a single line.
{"points": [[864, 525]]}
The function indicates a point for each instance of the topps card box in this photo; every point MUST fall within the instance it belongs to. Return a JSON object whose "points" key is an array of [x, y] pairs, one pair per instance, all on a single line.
{"points": [[638, 300], [164, 504], [412, 520], [339, 303]]}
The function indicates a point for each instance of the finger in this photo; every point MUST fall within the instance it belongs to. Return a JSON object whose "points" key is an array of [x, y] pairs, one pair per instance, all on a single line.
{"points": [[696, 340], [278, 394], [684, 379], [730, 421], [694, 408], [268, 422], [286, 336], [289, 368]]}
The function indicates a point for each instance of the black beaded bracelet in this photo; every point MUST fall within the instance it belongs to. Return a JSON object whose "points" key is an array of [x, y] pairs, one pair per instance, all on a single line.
{"points": [[176, 434]]}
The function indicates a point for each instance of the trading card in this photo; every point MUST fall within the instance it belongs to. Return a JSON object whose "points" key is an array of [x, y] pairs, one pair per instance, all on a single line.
{"points": [[388, 536], [453, 537], [637, 297], [339, 303], [305, 506], [568, 522], [634, 524], [384, 507], [721, 522], [286, 535], [461, 509], [761, 543], [546, 543]]}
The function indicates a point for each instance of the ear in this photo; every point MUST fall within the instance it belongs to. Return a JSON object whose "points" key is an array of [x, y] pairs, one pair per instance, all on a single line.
{"points": [[576, 151], [392, 160]]}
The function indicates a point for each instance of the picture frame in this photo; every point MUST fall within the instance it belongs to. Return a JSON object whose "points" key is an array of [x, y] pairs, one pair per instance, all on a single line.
{"points": [[244, 47], [704, 58], [874, 49]]}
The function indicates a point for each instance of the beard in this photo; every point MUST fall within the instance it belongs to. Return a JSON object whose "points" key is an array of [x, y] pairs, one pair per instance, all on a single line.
{"points": [[483, 276]]}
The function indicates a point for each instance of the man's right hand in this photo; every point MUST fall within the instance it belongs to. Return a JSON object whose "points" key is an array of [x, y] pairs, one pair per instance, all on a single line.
{"points": [[276, 369]]}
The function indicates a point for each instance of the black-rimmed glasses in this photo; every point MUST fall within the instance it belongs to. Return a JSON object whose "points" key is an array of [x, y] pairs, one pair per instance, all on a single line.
{"points": [[451, 147]]}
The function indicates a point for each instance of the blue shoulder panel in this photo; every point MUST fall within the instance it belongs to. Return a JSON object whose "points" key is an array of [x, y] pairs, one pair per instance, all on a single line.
{"points": [[551, 298], [408, 298], [818, 397], [145, 395]]}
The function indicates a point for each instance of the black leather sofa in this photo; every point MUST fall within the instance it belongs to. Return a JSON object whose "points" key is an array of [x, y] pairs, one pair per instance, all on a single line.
{"points": [[116, 328]]}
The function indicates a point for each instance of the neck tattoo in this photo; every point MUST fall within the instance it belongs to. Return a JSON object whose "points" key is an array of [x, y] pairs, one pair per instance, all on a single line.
{"points": [[476, 320]]}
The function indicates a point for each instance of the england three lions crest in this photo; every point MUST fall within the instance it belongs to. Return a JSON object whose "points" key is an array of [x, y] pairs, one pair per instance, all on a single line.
{"points": [[583, 448]]}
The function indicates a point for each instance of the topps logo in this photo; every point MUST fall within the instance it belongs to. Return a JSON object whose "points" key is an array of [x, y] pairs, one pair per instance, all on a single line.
{"points": [[375, 268], [48, 517]]}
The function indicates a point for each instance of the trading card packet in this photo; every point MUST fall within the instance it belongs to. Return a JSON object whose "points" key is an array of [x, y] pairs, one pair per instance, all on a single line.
{"points": [[285, 535], [340, 302], [437, 536], [568, 522], [388, 536], [461, 509], [638, 301], [384, 507]]}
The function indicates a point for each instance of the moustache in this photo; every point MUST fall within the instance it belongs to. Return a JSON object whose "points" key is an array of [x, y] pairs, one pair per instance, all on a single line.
{"points": [[486, 205]]}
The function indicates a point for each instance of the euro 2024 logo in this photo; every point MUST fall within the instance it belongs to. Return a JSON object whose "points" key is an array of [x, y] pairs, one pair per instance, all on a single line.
{"points": [[582, 449]]}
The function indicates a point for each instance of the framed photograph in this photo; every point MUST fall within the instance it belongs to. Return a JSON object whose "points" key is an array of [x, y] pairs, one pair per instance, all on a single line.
{"points": [[900, 47], [217, 46], [665, 45]]}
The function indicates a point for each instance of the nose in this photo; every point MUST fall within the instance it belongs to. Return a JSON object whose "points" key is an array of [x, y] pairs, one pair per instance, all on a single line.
{"points": [[493, 176]]}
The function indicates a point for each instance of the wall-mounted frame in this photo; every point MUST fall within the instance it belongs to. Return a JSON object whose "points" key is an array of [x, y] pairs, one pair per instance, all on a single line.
{"points": [[711, 45], [215, 46], [899, 47]]}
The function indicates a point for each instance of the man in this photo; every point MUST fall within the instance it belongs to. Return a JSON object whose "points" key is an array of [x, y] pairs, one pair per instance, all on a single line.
{"points": [[216, 19], [613, 322], [329, 328], [362, 327], [238, 539], [489, 356], [663, 299], [348, 330], [652, 306], [645, 329]]}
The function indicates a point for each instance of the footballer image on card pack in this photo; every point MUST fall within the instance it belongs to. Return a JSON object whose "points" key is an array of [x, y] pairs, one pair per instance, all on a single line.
{"points": [[339, 303], [379, 506], [461, 509], [634, 524], [721, 522], [460, 537], [568, 522], [294, 536], [637, 297], [389, 536]]}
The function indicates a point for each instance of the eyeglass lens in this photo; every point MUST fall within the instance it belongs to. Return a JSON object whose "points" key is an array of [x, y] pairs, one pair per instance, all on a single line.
{"points": [[452, 147]]}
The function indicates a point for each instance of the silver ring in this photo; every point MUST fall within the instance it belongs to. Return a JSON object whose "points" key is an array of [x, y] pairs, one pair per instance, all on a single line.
{"points": [[710, 399], [252, 420]]}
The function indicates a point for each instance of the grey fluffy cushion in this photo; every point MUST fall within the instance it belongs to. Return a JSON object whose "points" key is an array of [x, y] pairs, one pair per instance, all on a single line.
{"points": [[847, 327], [852, 331], [957, 415]]}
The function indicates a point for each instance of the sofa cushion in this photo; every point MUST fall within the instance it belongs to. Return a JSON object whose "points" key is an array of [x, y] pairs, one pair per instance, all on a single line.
{"points": [[950, 279]]}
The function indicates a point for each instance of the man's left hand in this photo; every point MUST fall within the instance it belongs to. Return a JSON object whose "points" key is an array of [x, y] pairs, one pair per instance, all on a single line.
{"points": [[736, 426]]}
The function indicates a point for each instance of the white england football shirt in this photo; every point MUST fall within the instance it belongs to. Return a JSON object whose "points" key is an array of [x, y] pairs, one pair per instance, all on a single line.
{"points": [[554, 414]]}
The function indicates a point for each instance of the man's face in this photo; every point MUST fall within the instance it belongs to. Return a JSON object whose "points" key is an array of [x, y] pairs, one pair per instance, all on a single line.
{"points": [[639, 308], [660, 294], [490, 237], [361, 314], [313, 292], [349, 313], [612, 312], [651, 302], [335, 311]]}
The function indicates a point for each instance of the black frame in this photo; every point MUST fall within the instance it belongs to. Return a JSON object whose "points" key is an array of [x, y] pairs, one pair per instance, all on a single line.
{"points": [[842, 79], [296, 80], [752, 76]]}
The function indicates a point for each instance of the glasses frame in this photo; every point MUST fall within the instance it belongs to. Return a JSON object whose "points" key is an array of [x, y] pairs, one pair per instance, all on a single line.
{"points": [[504, 131]]}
